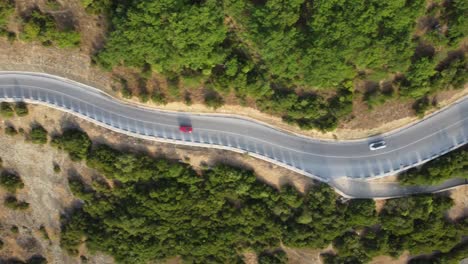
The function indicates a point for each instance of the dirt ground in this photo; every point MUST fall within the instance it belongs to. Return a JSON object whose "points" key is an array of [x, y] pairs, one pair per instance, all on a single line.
{"points": [[460, 199]]}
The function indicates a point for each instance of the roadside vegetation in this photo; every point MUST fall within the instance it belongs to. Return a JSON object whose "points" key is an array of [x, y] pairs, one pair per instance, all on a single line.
{"points": [[144, 209], [38, 135], [42, 27], [306, 63], [283, 56], [8, 110], [451, 165], [12, 182], [7, 8]]}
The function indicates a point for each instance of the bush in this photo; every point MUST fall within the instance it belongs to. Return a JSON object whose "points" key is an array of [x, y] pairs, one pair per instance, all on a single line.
{"points": [[12, 203], [75, 142], [452, 164], [10, 181], [139, 200], [10, 130], [7, 8], [21, 109], [213, 100], [38, 135], [42, 27], [6, 110], [421, 105], [14, 229], [37, 260], [276, 257], [158, 98], [57, 168]]}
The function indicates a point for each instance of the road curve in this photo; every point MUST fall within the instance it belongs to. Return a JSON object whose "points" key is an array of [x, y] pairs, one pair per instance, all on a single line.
{"points": [[324, 160]]}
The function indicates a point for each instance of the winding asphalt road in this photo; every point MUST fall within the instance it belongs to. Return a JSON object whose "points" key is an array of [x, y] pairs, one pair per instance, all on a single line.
{"points": [[324, 160]]}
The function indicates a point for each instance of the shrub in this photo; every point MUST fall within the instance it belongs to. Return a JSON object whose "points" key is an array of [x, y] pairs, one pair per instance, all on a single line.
{"points": [[10, 181], [57, 168], [10, 130], [21, 109], [276, 257], [158, 98], [14, 229], [213, 100], [421, 105], [38, 135], [12, 203], [75, 142], [42, 27], [43, 232], [6, 110], [452, 164], [226, 210]]}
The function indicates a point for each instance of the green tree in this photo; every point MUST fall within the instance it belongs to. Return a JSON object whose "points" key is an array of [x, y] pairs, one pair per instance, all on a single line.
{"points": [[6, 110], [38, 135], [21, 109], [10, 181], [75, 142]]}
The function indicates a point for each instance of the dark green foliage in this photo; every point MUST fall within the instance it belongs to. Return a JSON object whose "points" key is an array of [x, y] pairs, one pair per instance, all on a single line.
{"points": [[454, 256], [44, 232], [38, 135], [158, 98], [418, 224], [75, 142], [413, 223], [361, 213], [1, 244], [37, 260], [6, 110], [193, 34], [452, 72], [7, 8], [276, 257], [53, 5], [421, 106], [10, 181], [454, 15], [271, 51], [13, 203], [57, 168], [452, 164], [14, 229], [10, 130], [311, 110], [97, 6], [42, 27], [157, 209], [213, 100], [21, 109]]}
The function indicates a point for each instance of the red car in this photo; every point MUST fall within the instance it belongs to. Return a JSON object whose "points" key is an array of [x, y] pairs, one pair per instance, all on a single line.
{"points": [[186, 129]]}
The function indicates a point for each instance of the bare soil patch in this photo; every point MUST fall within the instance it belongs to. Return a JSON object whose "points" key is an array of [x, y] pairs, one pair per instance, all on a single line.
{"points": [[460, 199], [303, 256], [403, 259]]}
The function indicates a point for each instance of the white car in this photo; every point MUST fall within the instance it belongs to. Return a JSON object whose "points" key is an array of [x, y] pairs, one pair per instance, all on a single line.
{"points": [[377, 145]]}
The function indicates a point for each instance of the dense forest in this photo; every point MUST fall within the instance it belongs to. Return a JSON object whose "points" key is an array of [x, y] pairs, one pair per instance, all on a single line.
{"points": [[282, 54], [451, 165], [143, 209]]}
